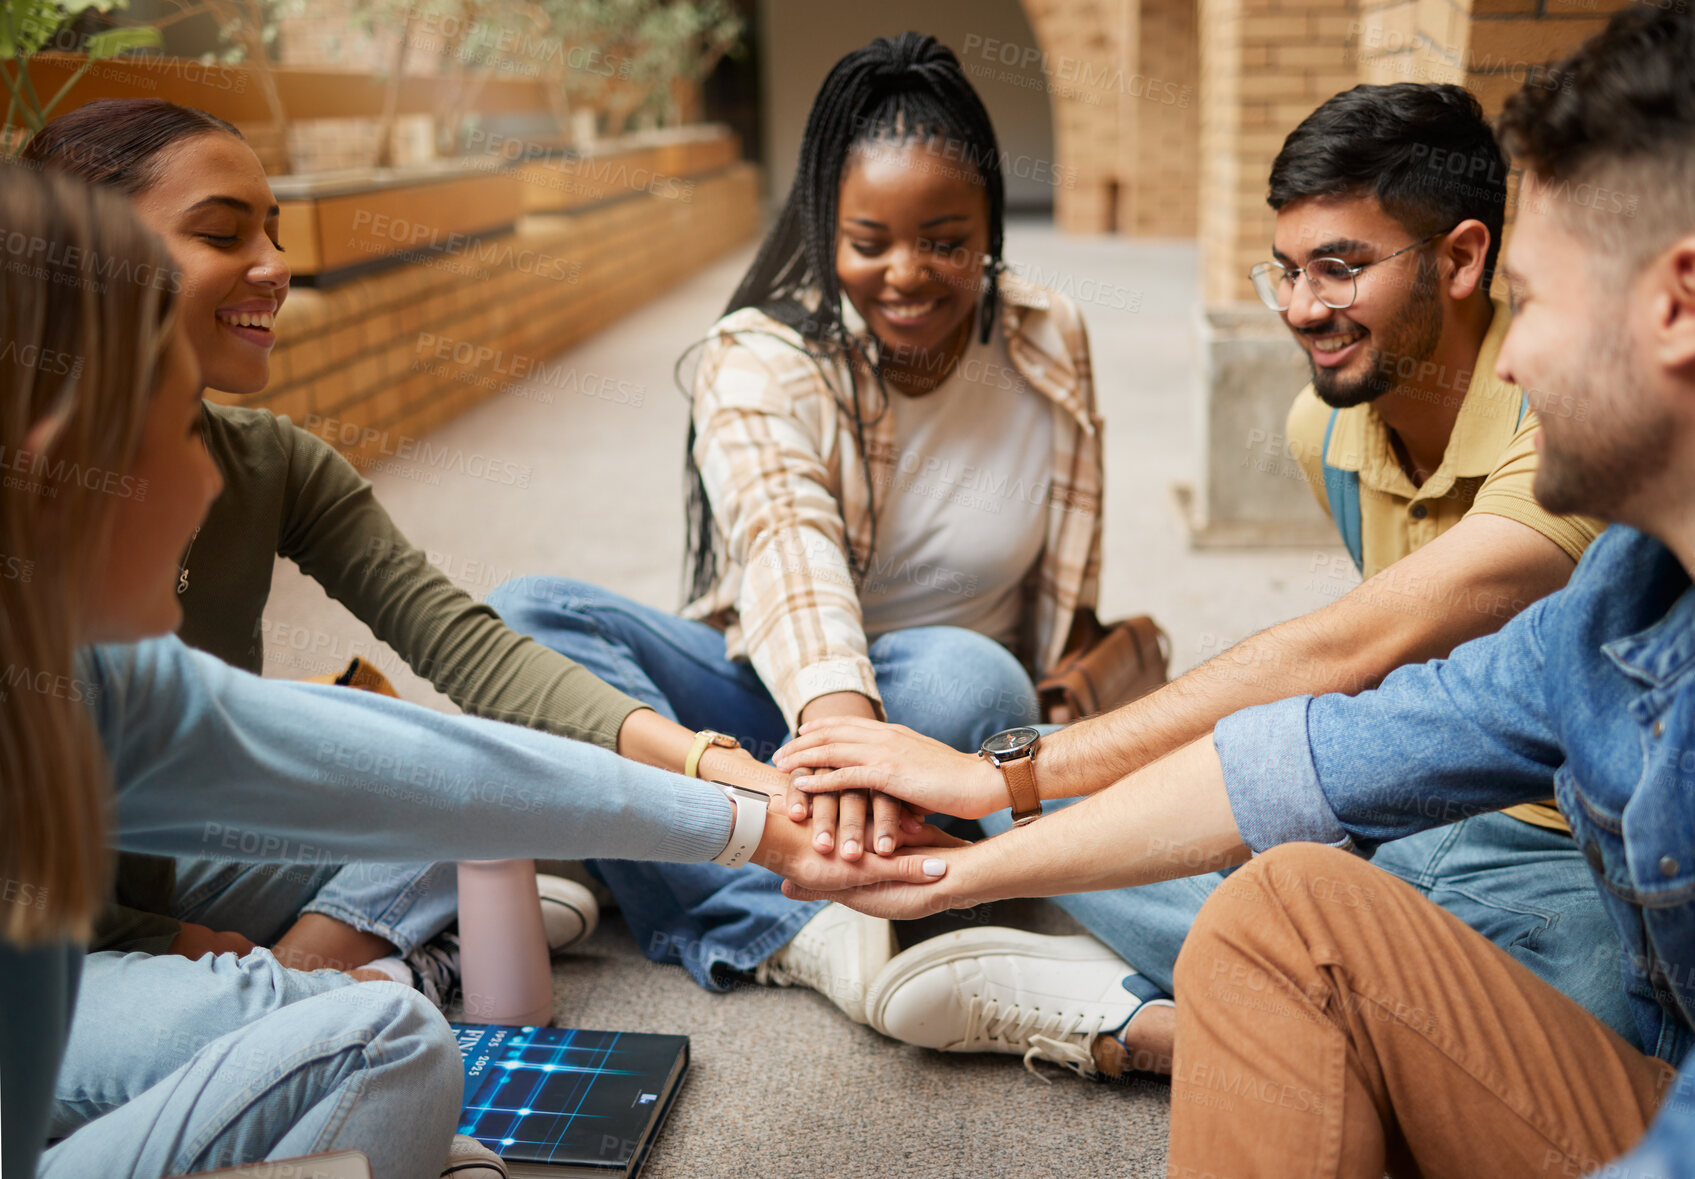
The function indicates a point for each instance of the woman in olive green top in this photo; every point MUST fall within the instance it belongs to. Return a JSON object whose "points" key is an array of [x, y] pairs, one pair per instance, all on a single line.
{"points": [[197, 184]]}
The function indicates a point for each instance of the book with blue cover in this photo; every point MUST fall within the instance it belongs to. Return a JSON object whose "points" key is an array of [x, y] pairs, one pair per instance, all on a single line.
{"points": [[564, 1101]]}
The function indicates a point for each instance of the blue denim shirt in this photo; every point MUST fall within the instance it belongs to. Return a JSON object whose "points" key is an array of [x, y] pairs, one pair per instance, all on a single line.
{"points": [[1594, 687]]}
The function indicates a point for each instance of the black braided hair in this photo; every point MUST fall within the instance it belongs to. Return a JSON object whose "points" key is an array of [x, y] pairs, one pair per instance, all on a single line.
{"points": [[895, 91]]}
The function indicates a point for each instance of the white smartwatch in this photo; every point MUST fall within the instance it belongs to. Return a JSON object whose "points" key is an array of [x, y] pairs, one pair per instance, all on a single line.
{"points": [[751, 808]]}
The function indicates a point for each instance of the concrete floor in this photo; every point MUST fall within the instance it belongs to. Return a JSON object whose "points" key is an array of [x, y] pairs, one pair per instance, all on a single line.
{"points": [[782, 1085]]}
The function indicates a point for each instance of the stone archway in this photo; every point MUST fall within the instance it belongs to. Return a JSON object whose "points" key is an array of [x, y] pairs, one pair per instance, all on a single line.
{"points": [[1123, 78]]}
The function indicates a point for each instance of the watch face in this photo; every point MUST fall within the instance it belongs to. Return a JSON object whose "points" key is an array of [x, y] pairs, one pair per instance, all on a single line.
{"points": [[1010, 741]]}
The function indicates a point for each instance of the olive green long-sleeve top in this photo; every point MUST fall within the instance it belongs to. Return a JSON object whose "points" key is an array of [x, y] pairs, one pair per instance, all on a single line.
{"points": [[289, 493]]}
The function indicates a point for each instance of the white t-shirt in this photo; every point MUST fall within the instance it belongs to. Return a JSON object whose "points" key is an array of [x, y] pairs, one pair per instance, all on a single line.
{"points": [[965, 515]]}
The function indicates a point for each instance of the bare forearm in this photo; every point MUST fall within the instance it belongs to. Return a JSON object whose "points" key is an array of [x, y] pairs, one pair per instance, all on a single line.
{"points": [[838, 704], [649, 738], [1465, 583], [1311, 654], [1171, 819], [653, 740]]}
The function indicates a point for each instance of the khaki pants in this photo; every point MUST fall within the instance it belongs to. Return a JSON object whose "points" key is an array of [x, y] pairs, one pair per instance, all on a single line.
{"points": [[1333, 1022]]}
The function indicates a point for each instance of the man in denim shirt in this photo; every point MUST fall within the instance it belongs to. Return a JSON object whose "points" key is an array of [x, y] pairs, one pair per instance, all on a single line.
{"points": [[1335, 1022]]}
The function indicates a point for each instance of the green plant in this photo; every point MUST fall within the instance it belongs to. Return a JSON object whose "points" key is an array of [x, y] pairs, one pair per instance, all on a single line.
{"points": [[475, 40], [681, 43], [31, 27], [625, 56]]}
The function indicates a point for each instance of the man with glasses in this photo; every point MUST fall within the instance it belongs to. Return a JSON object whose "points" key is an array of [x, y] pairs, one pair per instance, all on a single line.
{"points": [[1389, 203], [1334, 1022]]}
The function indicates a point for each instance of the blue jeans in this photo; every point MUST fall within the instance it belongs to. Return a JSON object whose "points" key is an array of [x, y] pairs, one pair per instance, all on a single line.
{"points": [[1525, 888], [949, 683], [407, 904], [176, 1066]]}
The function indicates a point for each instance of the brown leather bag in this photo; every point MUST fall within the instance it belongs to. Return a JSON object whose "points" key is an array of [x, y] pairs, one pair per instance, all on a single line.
{"points": [[1108, 666]]}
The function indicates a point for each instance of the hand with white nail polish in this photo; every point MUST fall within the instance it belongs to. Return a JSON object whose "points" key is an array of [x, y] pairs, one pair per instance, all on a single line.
{"points": [[788, 849], [916, 886]]}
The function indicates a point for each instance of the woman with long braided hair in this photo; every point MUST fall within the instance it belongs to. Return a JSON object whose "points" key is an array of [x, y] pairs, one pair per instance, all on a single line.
{"points": [[894, 471]]}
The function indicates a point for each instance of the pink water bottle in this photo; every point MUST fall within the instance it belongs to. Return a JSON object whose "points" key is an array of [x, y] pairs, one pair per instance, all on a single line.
{"points": [[503, 945]]}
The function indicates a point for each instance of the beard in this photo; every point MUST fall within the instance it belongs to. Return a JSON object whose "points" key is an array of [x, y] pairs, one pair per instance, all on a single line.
{"points": [[1415, 331], [1594, 464]]}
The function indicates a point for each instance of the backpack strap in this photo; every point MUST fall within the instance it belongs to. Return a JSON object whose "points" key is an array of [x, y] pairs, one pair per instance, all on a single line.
{"points": [[1342, 489]]}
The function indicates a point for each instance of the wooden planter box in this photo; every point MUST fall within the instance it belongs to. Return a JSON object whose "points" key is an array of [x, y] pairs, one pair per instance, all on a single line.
{"points": [[342, 224], [664, 164], [337, 225], [373, 363], [435, 288]]}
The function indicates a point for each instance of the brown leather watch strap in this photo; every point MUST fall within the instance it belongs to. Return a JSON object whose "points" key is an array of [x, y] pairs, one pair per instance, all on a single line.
{"points": [[1020, 775]]}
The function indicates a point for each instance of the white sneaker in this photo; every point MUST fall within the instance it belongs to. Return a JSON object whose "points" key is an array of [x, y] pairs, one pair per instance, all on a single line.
{"points": [[838, 954], [578, 870], [1005, 990], [469, 1159], [569, 912]]}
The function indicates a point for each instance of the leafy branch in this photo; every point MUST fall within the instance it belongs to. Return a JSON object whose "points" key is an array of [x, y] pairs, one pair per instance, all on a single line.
{"points": [[31, 27]]}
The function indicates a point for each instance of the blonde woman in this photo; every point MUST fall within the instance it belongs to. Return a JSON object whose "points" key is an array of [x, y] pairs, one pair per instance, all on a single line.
{"points": [[145, 742]]}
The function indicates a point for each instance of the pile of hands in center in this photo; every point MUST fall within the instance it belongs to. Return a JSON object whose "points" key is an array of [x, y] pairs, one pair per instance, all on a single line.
{"points": [[865, 789]]}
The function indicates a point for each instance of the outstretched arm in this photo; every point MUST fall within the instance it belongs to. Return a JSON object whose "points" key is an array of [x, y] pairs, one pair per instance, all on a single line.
{"points": [[1437, 742], [1172, 819], [208, 760], [1469, 582], [1466, 583]]}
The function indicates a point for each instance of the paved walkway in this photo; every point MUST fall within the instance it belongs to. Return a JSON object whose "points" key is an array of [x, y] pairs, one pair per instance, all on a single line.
{"points": [[783, 1086]]}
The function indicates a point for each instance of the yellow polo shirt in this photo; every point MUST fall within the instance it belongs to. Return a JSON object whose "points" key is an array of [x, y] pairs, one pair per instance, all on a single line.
{"points": [[1488, 467]]}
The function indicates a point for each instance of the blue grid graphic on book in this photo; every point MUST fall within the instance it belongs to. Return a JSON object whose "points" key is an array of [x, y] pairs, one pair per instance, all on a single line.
{"points": [[564, 1095]]}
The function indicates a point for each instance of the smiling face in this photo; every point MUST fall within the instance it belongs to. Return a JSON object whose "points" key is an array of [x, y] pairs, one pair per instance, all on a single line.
{"points": [[1397, 314], [912, 228], [213, 208], [1579, 328], [134, 589]]}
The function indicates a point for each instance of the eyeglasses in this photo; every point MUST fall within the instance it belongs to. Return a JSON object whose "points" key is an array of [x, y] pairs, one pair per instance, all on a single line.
{"points": [[1334, 283]]}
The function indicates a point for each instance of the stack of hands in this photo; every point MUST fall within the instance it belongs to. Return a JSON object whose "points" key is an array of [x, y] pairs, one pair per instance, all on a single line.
{"points": [[843, 772]]}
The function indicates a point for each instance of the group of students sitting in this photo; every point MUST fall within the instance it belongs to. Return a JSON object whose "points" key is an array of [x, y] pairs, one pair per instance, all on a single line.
{"points": [[1464, 942]]}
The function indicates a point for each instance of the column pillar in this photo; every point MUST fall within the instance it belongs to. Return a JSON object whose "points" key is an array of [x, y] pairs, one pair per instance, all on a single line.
{"points": [[1264, 66]]}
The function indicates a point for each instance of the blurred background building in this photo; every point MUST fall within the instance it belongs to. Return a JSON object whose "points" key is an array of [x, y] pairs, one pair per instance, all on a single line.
{"points": [[434, 154]]}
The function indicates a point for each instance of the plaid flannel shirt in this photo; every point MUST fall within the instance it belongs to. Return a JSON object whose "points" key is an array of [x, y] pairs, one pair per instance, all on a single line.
{"points": [[782, 468]]}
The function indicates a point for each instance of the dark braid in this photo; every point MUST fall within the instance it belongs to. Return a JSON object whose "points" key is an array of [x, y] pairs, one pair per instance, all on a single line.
{"points": [[892, 91]]}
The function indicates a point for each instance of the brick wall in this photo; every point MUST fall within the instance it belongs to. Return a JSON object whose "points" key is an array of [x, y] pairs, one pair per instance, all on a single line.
{"points": [[1265, 65], [1492, 47], [1507, 40], [376, 363], [1084, 45], [1410, 41], [1161, 116], [1122, 80], [1219, 167], [1249, 71]]}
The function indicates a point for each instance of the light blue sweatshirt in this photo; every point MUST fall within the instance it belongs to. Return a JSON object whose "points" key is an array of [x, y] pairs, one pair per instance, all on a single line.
{"points": [[210, 761]]}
